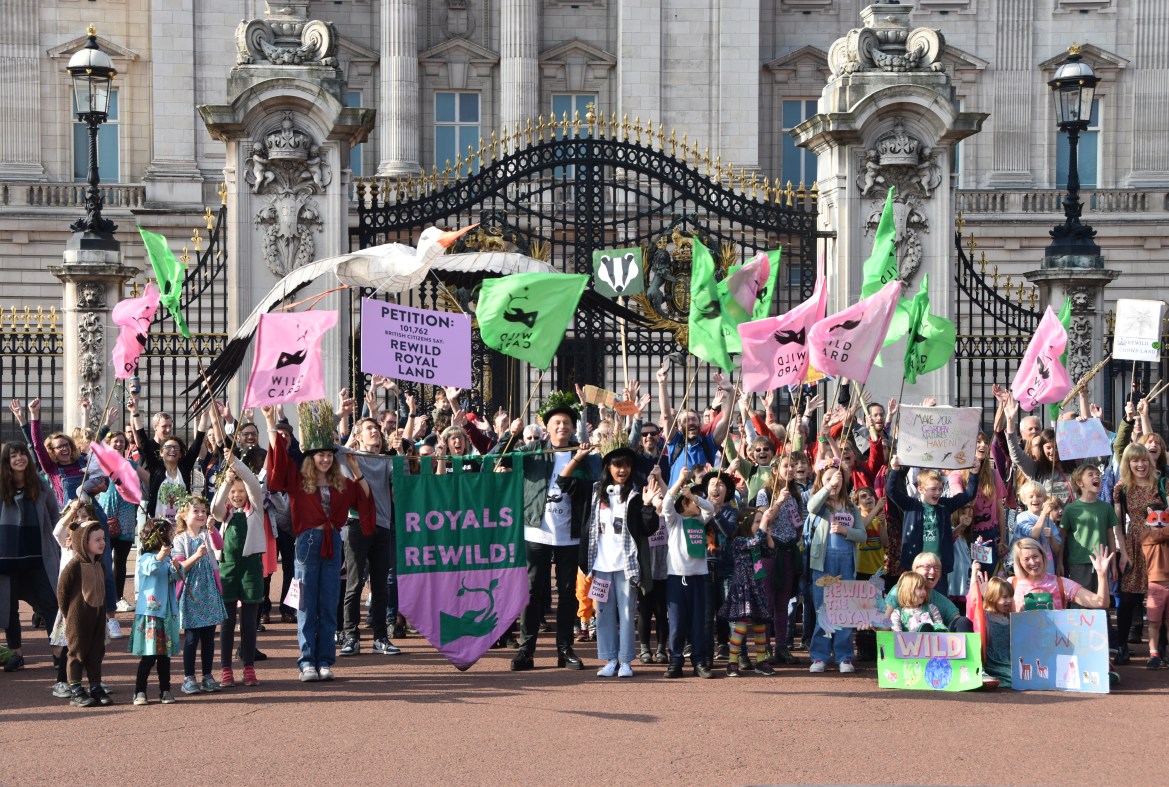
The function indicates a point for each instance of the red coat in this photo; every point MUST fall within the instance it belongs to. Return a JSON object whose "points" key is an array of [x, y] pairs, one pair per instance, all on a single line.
{"points": [[306, 508]]}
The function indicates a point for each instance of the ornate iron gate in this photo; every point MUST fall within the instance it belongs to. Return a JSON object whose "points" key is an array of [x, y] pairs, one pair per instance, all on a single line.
{"points": [[560, 190], [993, 327]]}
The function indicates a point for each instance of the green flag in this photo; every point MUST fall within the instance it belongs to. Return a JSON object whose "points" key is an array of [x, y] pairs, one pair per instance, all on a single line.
{"points": [[763, 293], [881, 266], [1065, 319], [931, 338], [525, 315], [170, 274], [708, 340]]}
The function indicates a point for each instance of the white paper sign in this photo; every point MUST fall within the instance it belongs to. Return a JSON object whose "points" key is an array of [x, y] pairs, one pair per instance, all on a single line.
{"points": [[1137, 336], [599, 590], [938, 437], [293, 599], [982, 552], [1080, 439]]}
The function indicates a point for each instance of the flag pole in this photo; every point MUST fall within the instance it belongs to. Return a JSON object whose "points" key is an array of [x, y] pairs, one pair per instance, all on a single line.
{"points": [[524, 413], [685, 398], [109, 398], [624, 348], [897, 420]]}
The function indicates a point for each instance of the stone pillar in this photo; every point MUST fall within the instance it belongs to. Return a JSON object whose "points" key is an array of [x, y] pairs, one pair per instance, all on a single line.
{"points": [[93, 280], [887, 117], [519, 60], [1085, 289], [398, 134], [20, 54], [173, 177], [288, 136]]}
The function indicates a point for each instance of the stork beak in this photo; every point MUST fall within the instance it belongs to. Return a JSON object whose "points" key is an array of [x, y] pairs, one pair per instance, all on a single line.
{"points": [[447, 239]]}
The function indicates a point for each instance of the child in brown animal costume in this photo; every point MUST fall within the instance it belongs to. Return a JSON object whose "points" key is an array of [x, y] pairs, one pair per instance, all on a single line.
{"points": [[81, 596]]}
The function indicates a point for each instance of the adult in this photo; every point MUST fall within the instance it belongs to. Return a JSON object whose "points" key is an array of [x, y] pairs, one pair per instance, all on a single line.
{"points": [[1033, 578], [553, 522], [170, 463], [929, 565], [122, 517], [319, 499], [1040, 461], [990, 516], [1139, 492], [29, 555], [692, 443], [374, 551]]}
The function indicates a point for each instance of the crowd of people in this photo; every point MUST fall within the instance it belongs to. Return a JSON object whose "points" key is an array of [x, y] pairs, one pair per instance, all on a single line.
{"points": [[716, 529]]}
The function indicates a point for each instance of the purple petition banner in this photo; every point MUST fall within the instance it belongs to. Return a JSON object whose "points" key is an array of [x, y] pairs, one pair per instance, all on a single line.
{"points": [[404, 343]]}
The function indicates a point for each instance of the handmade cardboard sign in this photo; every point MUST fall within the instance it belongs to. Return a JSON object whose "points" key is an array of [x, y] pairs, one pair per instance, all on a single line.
{"points": [[1080, 439], [604, 398], [851, 603], [618, 272], [928, 661], [1060, 650], [404, 343], [1137, 335], [939, 437]]}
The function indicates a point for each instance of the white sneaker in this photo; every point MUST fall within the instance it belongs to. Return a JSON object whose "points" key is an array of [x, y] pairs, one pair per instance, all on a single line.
{"points": [[846, 667], [124, 605], [309, 674], [626, 671], [609, 670], [61, 690], [325, 673], [115, 631], [817, 666]]}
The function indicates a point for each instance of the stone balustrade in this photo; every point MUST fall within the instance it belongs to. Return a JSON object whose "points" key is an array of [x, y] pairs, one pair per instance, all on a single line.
{"points": [[127, 196], [989, 202]]}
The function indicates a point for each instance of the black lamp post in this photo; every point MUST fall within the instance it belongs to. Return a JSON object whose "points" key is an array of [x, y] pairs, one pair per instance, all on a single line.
{"points": [[92, 71], [1074, 86]]}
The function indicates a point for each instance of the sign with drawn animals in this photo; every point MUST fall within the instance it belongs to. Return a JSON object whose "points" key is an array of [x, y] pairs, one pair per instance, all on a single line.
{"points": [[1060, 650], [938, 437], [1080, 439], [929, 661]]}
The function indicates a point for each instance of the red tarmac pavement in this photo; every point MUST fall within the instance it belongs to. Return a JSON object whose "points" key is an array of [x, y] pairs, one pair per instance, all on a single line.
{"points": [[415, 719]]}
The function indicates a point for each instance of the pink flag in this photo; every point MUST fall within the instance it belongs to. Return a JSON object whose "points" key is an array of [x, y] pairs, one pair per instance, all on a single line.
{"points": [[745, 284], [288, 366], [134, 316], [118, 467], [847, 343], [775, 349], [1041, 378]]}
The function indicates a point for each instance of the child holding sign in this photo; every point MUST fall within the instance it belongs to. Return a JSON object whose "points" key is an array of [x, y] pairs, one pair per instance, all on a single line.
{"points": [[836, 530], [684, 515], [746, 605]]}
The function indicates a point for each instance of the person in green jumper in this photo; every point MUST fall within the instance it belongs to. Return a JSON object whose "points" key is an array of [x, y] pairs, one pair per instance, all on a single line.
{"points": [[239, 506]]}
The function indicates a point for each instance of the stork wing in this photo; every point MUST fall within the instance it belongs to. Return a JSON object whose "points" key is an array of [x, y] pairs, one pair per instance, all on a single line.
{"points": [[502, 262], [349, 269]]}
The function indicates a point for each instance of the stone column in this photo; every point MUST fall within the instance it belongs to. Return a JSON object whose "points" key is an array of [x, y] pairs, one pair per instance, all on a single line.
{"points": [[887, 117], [399, 89], [20, 54], [93, 282], [173, 177], [519, 60]]}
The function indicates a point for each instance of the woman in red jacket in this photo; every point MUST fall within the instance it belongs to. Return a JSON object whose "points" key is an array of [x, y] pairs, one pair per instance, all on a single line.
{"points": [[319, 500]]}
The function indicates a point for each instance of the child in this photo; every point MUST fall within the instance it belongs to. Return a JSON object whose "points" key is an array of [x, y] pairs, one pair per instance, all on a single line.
{"points": [[200, 602], [783, 566], [719, 490], [836, 530], [155, 636], [1036, 521], [915, 613], [684, 515], [1155, 546], [746, 604], [925, 525], [961, 522], [239, 505], [870, 557], [759, 473], [1087, 523], [586, 612], [81, 598]]}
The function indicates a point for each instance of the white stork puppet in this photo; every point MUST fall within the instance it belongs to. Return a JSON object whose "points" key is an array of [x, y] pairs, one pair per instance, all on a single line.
{"points": [[391, 267]]}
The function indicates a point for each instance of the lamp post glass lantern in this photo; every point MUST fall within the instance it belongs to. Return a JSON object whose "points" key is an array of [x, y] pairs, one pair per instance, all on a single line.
{"points": [[92, 71], [1074, 88]]}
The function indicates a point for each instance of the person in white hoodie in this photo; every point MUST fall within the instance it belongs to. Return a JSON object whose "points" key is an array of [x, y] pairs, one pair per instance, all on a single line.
{"points": [[684, 515]]}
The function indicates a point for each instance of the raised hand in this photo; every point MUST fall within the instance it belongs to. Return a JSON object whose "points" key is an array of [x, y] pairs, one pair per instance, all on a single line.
{"points": [[34, 409], [111, 414], [459, 417], [411, 403], [452, 395], [813, 404], [1143, 407], [17, 411], [929, 401], [663, 372], [891, 409], [642, 402], [1095, 410], [1101, 558], [1000, 393]]}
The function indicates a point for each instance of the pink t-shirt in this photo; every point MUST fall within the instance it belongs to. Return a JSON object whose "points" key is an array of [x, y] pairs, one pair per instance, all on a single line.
{"points": [[1049, 584], [986, 512]]}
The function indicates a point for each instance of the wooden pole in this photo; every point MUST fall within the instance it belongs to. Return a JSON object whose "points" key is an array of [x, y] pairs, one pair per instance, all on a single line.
{"points": [[524, 413], [624, 348], [685, 398]]}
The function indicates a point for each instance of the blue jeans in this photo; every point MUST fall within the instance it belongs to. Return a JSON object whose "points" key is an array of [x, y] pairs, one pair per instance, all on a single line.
{"points": [[839, 563], [320, 590], [686, 611], [622, 604]]}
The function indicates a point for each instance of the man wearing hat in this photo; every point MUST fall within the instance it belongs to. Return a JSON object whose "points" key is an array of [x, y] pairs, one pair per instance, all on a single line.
{"points": [[552, 529]]}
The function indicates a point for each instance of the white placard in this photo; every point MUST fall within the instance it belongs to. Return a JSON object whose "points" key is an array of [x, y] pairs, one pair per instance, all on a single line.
{"points": [[1080, 439], [1137, 335], [938, 437]]}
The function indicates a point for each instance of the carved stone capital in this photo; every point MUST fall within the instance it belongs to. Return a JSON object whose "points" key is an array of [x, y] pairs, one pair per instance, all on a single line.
{"points": [[288, 223], [887, 43]]}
